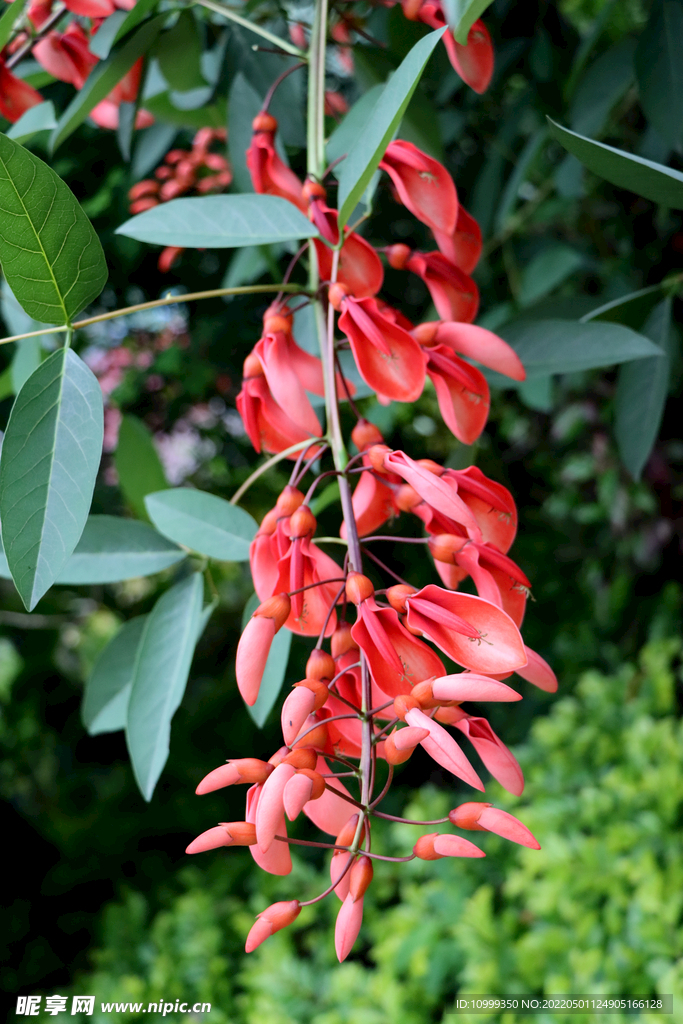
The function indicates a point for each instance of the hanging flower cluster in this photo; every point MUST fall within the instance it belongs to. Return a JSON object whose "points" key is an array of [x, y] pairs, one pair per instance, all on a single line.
{"points": [[380, 680]]}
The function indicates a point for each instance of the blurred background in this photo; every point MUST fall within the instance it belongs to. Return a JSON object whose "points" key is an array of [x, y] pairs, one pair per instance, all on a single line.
{"points": [[100, 897]]}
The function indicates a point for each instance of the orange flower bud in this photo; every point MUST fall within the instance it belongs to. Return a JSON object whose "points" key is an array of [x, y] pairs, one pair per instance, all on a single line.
{"points": [[317, 780], [320, 665], [407, 498], [336, 295], [392, 755], [342, 641], [403, 704], [358, 587], [264, 122], [319, 690], [426, 333], [445, 546], [316, 739], [277, 607], [302, 523], [313, 190], [361, 876], [348, 832], [398, 255], [242, 769], [303, 757], [272, 920], [252, 367], [376, 456], [148, 187], [431, 466], [423, 693], [289, 501], [274, 323], [242, 833], [424, 847], [396, 596], [365, 434], [467, 815]]}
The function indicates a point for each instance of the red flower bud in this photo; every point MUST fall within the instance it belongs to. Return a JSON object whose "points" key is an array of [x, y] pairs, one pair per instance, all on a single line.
{"points": [[403, 704], [361, 876], [365, 434], [272, 920], [342, 640], [320, 665], [302, 523], [396, 596], [289, 500], [264, 122], [358, 587]]}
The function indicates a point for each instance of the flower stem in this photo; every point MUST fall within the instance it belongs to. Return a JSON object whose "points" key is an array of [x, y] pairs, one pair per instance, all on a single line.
{"points": [[227, 12]]}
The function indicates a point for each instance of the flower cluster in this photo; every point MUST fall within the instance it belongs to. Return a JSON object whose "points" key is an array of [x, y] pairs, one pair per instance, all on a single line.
{"points": [[67, 57], [379, 681]]}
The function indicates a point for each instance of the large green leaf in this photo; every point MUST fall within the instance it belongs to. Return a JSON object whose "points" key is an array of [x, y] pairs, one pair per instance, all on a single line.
{"points": [[160, 674], [625, 170], [660, 70], [113, 549], [344, 136], [102, 42], [642, 388], [203, 522], [275, 670], [220, 222], [51, 256], [602, 86], [107, 691], [105, 76], [244, 103], [138, 464], [548, 269], [565, 346], [462, 14], [28, 352], [630, 310], [50, 457], [376, 133]]}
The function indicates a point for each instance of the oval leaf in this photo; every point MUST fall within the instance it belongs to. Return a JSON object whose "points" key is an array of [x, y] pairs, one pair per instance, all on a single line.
{"points": [[49, 463], [220, 222], [274, 672], [112, 549], [642, 388], [107, 691], [203, 522], [565, 346], [36, 119], [462, 14], [653, 181], [376, 133], [162, 665], [138, 464], [51, 256]]}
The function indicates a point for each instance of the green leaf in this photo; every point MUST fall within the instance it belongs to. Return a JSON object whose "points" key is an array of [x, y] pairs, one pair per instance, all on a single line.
{"points": [[25, 361], [161, 105], [548, 269], [104, 77], [36, 119], [203, 522], [565, 346], [275, 670], [462, 14], [107, 691], [660, 71], [162, 665], [152, 145], [9, 16], [138, 464], [105, 37], [385, 117], [653, 181], [345, 134], [134, 16], [27, 353], [50, 457], [220, 222], [244, 103], [179, 52], [630, 310], [112, 549], [601, 87], [51, 256], [642, 389]]}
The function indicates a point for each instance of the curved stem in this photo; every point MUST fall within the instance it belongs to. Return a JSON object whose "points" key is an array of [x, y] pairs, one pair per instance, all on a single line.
{"points": [[227, 12], [272, 461]]}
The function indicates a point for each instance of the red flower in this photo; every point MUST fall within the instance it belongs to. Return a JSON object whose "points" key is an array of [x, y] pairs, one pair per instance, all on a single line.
{"points": [[423, 185], [462, 246], [269, 174], [475, 343], [462, 393], [305, 565], [454, 294], [495, 576], [267, 424], [66, 55], [474, 61], [16, 95], [481, 817], [388, 359], [500, 761]]}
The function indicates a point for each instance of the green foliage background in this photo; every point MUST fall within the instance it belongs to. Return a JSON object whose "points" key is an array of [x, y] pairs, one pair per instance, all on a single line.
{"points": [[110, 905]]}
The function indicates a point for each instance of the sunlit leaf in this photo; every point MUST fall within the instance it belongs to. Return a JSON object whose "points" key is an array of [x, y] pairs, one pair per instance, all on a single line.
{"points": [[50, 457], [36, 119], [50, 254]]}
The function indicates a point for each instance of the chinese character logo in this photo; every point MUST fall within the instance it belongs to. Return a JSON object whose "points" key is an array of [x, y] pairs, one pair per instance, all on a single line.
{"points": [[28, 1006], [83, 1004]]}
